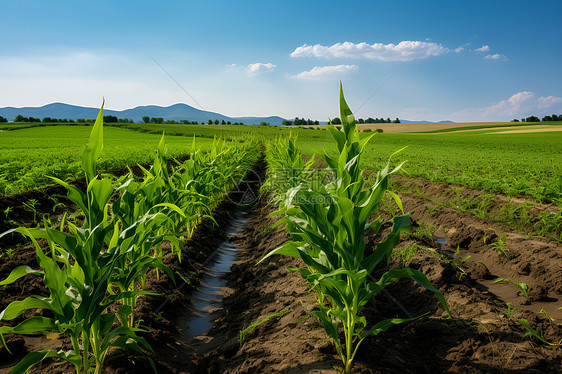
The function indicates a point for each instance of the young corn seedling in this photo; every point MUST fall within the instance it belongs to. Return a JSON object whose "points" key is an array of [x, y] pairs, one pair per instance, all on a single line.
{"points": [[522, 287], [532, 332], [327, 223]]}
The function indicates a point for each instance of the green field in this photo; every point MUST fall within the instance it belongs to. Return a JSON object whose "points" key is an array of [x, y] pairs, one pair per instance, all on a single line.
{"points": [[527, 164], [512, 164], [30, 155]]}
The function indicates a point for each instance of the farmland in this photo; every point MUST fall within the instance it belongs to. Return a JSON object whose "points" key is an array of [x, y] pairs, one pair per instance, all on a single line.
{"points": [[29, 155], [473, 253]]}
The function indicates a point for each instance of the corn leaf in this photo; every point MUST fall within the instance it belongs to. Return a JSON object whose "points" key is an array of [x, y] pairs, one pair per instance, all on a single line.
{"points": [[94, 147]]}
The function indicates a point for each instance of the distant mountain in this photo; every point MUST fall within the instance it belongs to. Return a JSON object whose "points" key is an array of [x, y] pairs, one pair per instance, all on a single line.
{"points": [[176, 112]]}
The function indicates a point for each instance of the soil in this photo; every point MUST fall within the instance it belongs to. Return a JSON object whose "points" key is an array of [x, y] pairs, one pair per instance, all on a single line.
{"points": [[482, 336]]}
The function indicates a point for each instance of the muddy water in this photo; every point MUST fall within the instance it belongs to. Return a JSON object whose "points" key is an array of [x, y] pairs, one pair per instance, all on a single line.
{"points": [[209, 294]]}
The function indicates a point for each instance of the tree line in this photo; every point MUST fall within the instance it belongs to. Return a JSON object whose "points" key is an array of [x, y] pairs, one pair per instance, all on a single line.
{"points": [[553, 117], [115, 119], [368, 120], [300, 122]]}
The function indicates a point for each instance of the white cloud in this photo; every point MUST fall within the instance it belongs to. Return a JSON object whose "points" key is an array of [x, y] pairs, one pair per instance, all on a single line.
{"points": [[259, 67], [495, 56], [326, 72], [460, 48], [484, 48], [549, 101], [405, 50], [521, 104]]}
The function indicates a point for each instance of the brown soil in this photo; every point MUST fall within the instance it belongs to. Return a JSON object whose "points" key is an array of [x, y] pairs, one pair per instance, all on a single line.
{"points": [[480, 339], [521, 213]]}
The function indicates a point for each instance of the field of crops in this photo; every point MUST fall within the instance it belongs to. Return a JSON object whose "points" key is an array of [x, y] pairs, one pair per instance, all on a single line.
{"points": [[347, 262], [30, 155]]}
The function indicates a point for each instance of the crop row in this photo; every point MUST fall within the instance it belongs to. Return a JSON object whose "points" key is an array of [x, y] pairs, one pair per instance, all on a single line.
{"points": [[327, 219], [95, 272]]}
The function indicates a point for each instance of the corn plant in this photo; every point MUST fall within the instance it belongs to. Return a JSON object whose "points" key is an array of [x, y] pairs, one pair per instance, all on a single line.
{"points": [[78, 272], [327, 223], [286, 167]]}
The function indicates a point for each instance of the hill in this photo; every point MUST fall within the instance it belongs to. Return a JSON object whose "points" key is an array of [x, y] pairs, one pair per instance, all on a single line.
{"points": [[176, 112]]}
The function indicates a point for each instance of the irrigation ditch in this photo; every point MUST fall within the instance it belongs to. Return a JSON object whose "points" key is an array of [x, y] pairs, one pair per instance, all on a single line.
{"points": [[454, 249]]}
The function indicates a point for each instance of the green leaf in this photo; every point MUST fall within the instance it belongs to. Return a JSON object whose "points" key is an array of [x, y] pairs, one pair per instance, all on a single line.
{"points": [[35, 357], [19, 272], [397, 200], [75, 195], [384, 325], [393, 275], [16, 308], [94, 147], [287, 249], [31, 325]]}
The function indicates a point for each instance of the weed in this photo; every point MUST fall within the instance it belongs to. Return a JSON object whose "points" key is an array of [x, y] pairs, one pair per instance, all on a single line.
{"points": [[7, 211], [31, 206], [250, 328], [406, 253], [500, 247]]}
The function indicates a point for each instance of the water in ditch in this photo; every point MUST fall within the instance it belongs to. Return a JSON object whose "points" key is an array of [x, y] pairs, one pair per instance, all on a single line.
{"points": [[209, 294]]}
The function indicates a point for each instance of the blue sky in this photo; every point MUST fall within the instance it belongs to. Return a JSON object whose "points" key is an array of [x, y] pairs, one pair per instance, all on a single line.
{"points": [[441, 60]]}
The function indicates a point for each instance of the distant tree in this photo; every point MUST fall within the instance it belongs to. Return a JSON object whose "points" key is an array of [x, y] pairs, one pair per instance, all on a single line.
{"points": [[336, 121], [146, 119], [158, 120], [547, 119], [109, 119], [522, 119], [370, 120], [216, 122], [287, 123], [532, 119], [515, 120], [33, 119], [228, 122], [20, 118], [79, 120], [210, 122], [264, 123], [360, 120], [2, 119], [47, 119], [396, 120], [556, 118]]}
